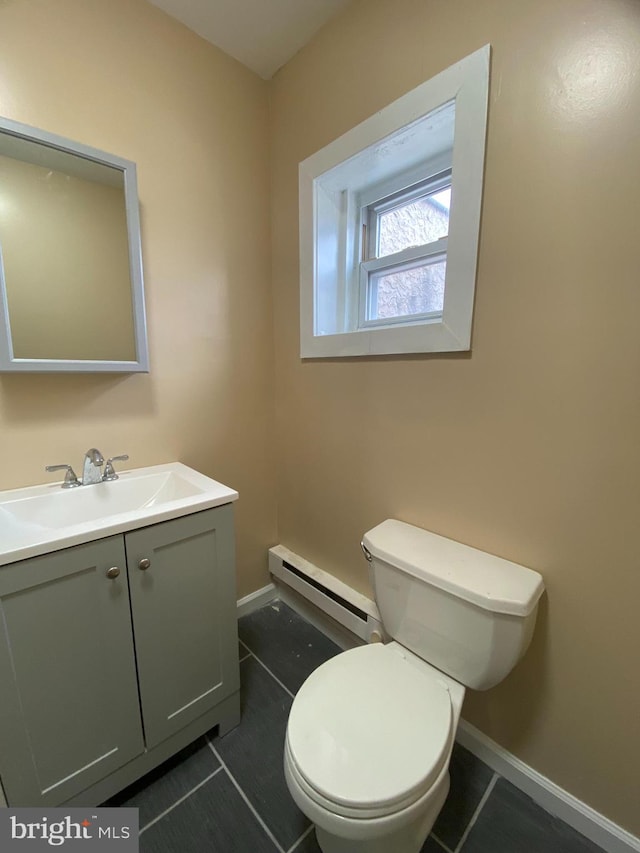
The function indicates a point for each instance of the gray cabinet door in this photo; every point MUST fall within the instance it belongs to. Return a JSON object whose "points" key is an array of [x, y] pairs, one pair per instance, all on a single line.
{"points": [[69, 711], [184, 616]]}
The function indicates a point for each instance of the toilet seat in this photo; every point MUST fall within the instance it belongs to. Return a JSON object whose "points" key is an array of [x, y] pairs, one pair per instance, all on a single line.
{"points": [[369, 731]]}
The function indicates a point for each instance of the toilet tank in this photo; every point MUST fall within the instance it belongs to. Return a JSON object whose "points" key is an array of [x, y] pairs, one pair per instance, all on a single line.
{"points": [[468, 613]]}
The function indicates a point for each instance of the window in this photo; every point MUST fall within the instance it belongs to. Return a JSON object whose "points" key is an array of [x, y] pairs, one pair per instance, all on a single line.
{"points": [[404, 254], [389, 223]]}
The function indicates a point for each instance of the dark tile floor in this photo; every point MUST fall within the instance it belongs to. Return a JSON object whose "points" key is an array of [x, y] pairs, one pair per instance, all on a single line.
{"points": [[228, 795]]}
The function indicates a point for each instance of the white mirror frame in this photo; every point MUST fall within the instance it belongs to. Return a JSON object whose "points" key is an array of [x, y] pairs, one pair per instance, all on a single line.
{"points": [[8, 362]]}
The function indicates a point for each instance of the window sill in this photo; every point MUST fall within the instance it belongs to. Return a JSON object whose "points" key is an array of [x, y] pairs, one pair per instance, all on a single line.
{"points": [[432, 336]]}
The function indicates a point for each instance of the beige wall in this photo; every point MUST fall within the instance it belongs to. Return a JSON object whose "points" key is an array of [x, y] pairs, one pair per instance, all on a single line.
{"points": [[124, 77], [529, 446]]}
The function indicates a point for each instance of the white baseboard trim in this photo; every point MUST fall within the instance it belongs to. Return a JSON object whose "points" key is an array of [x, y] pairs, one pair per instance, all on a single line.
{"points": [[256, 600], [551, 797]]}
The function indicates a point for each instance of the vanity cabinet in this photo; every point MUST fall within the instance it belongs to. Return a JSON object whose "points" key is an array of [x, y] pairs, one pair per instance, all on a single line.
{"points": [[113, 655]]}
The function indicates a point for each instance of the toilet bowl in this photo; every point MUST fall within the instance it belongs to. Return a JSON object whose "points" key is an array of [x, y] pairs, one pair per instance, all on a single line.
{"points": [[367, 750], [370, 732]]}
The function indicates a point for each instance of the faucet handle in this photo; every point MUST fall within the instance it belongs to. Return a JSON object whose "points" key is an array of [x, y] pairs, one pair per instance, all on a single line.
{"points": [[70, 479], [109, 471]]}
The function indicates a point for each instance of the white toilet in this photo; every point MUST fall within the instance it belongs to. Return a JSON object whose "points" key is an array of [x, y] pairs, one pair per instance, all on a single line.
{"points": [[370, 731]]}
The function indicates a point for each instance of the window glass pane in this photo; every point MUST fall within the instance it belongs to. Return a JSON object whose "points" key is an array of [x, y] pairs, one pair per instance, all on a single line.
{"points": [[416, 290], [415, 223]]}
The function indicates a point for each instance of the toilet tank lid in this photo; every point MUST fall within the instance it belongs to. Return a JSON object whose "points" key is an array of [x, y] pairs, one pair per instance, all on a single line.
{"points": [[485, 580]]}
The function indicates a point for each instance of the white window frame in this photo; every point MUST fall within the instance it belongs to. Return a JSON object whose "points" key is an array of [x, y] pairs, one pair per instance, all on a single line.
{"points": [[413, 256], [466, 85], [393, 200]]}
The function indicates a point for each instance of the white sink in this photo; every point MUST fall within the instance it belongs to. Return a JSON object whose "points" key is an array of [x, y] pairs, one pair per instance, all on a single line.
{"points": [[40, 519]]}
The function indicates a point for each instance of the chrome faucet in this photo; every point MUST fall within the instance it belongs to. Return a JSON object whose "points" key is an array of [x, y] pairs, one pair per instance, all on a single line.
{"points": [[91, 472], [93, 462]]}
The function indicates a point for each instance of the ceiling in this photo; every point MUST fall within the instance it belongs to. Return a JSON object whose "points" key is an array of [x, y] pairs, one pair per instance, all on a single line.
{"points": [[262, 34]]}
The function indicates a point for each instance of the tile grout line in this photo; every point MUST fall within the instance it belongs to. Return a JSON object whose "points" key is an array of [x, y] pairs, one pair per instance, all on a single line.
{"points": [[248, 655], [302, 837], [181, 800], [476, 814], [441, 843], [244, 796], [265, 667]]}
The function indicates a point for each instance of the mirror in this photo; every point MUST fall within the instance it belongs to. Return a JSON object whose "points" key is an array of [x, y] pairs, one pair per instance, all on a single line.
{"points": [[71, 290]]}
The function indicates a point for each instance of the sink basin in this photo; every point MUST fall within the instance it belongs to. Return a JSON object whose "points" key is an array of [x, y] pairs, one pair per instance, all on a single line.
{"points": [[40, 519]]}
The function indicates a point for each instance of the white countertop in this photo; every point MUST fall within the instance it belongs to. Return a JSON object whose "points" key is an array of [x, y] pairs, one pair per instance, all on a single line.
{"points": [[40, 519]]}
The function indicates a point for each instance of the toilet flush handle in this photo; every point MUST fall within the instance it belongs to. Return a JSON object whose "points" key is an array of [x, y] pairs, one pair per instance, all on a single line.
{"points": [[366, 552]]}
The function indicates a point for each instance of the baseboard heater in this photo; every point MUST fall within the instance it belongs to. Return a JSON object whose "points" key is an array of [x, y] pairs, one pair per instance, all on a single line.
{"points": [[345, 605]]}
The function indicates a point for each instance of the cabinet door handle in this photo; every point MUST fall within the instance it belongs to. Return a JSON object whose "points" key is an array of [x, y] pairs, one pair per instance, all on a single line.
{"points": [[113, 572], [144, 564]]}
